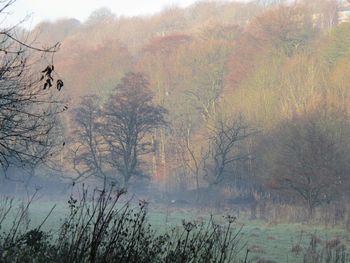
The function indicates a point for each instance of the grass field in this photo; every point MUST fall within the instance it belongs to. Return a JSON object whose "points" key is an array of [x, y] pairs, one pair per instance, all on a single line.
{"points": [[265, 241]]}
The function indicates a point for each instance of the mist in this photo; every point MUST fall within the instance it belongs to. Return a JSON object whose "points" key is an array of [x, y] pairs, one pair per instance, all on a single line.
{"points": [[212, 131]]}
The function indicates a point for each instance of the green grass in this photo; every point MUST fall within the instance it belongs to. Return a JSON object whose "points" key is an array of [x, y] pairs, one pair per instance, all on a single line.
{"points": [[276, 242], [272, 242]]}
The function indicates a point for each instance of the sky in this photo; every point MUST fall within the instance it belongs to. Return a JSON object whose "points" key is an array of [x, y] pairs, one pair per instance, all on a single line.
{"points": [[51, 10]]}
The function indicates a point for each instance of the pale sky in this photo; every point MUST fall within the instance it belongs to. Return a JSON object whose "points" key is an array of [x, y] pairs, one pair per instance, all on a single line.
{"points": [[53, 9]]}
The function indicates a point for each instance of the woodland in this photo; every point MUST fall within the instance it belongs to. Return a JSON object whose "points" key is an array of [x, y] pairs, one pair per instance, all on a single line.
{"points": [[250, 100]]}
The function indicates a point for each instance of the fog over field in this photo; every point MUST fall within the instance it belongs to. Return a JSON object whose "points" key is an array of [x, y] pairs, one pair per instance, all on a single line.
{"points": [[175, 131]]}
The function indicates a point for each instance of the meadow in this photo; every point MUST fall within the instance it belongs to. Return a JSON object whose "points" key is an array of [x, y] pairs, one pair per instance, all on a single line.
{"points": [[267, 242]]}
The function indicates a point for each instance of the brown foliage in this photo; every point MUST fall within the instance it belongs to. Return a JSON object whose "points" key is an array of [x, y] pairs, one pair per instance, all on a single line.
{"points": [[309, 157], [285, 30]]}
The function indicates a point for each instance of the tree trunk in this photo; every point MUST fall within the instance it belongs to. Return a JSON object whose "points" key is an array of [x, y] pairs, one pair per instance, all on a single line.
{"points": [[310, 210], [253, 208]]}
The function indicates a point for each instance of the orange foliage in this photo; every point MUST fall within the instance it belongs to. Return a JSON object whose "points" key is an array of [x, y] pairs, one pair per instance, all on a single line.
{"points": [[166, 44], [284, 29], [89, 68]]}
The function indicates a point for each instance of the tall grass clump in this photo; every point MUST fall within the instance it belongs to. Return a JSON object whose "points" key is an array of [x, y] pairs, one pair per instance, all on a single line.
{"points": [[101, 227]]}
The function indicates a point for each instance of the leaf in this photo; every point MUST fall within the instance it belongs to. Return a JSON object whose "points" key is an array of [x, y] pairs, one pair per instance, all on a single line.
{"points": [[48, 81], [46, 69], [59, 84]]}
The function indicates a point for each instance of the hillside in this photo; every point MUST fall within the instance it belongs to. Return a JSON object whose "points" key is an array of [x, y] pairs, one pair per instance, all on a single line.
{"points": [[278, 71]]}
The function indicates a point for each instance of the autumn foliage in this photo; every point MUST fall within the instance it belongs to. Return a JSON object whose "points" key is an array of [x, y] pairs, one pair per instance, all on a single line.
{"points": [[276, 66]]}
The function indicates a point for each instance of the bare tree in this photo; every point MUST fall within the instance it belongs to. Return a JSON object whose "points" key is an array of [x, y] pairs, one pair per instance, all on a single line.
{"points": [[310, 158], [192, 154], [29, 104], [88, 152], [129, 119], [227, 149]]}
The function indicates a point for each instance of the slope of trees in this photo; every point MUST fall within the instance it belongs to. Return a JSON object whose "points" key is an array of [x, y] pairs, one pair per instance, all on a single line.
{"points": [[280, 65]]}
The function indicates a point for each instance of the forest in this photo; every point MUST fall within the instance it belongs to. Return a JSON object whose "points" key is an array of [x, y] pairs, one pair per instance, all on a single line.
{"points": [[220, 107]]}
